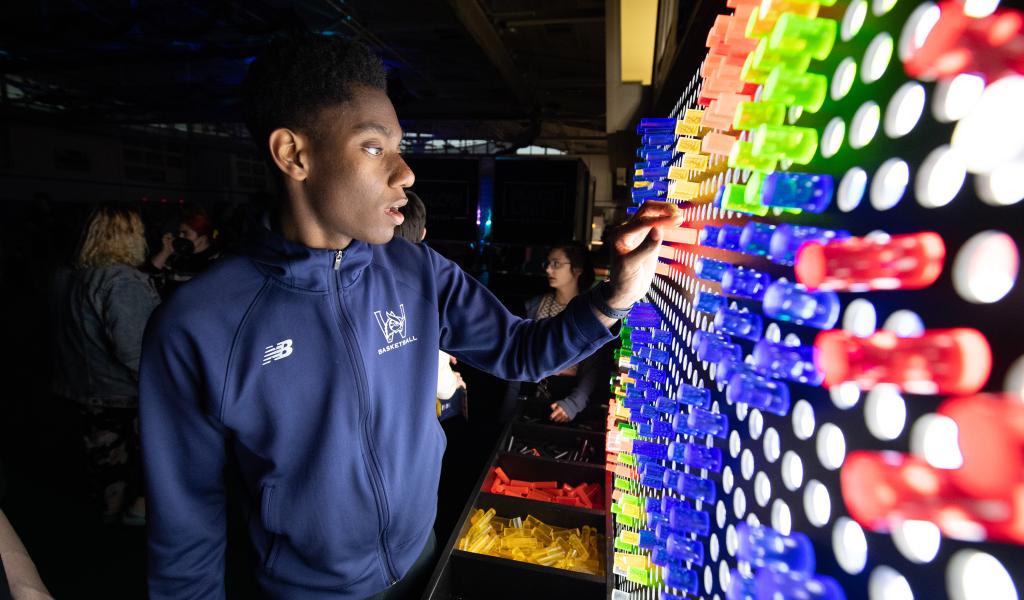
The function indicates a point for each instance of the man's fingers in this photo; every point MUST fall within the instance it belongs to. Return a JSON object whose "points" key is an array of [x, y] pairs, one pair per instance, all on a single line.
{"points": [[649, 244], [657, 208], [634, 231]]}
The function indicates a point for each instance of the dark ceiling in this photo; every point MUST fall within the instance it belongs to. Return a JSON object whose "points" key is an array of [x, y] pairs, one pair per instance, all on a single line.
{"points": [[528, 71]]}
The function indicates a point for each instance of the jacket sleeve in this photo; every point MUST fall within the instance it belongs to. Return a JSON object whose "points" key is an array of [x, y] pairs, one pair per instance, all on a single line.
{"points": [[127, 305], [184, 454], [476, 327]]}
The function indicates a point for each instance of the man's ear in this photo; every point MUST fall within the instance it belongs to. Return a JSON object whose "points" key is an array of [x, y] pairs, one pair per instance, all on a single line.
{"points": [[423, 235], [291, 152]]}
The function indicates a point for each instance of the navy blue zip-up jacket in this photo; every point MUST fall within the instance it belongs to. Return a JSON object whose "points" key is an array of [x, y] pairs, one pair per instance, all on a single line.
{"points": [[315, 370]]}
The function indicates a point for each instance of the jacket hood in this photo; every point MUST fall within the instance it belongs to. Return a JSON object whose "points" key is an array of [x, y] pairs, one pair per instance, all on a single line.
{"points": [[300, 266]]}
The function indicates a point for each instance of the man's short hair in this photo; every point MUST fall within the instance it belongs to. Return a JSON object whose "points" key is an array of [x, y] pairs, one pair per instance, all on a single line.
{"points": [[297, 76], [415, 219]]}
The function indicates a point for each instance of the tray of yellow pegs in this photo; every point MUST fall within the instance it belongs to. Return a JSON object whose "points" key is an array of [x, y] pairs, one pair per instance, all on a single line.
{"points": [[510, 547]]}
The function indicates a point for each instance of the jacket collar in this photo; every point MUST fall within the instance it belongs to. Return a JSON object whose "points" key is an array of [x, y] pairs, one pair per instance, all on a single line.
{"points": [[303, 267]]}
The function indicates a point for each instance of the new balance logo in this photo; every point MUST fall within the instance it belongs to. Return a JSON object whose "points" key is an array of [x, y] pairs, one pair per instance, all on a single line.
{"points": [[277, 352], [392, 323]]}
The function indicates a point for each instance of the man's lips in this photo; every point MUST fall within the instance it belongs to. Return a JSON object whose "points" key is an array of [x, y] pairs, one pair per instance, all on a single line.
{"points": [[396, 215]]}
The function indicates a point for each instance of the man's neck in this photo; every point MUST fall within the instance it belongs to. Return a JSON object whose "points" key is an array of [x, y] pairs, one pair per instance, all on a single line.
{"points": [[301, 226]]}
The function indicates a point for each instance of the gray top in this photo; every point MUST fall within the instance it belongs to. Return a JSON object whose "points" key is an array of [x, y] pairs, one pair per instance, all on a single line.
{"points": [[100, 338]]}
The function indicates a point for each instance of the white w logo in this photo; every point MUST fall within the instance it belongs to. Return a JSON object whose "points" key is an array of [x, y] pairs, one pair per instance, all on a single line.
{"points": [[281, 350], [391, 323]]}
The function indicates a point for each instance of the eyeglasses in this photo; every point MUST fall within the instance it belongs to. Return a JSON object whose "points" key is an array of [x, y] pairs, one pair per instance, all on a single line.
{"points": [[554, 264]]}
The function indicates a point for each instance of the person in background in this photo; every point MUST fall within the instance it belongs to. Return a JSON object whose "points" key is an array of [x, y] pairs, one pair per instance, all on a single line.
{"points": [[451, 389], [183, 257], [570, 271], [107, 307]]}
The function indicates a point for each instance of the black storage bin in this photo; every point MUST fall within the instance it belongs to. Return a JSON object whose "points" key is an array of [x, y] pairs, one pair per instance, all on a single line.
{"points": [[470, 576], [461, 575]]}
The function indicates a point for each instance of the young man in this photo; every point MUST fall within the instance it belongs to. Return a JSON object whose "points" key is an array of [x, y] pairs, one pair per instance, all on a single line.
{"points": [[308, 361]]}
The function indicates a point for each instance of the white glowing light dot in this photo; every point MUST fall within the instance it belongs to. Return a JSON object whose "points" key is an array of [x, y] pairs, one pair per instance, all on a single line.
{"points": [[782, 519], [889, 184], [803, 419], [739, 503], [851, 189], [1014, 383], [876, 58], [936, 439], [885, 412], [916, 29], [853, 19], [940, 177], [846, 395], [732, 540], [985, 268], [831, 446], [992, 134], [762, 489], [842, 80], [886, 583], [832, 137], [792, 471], [979, 9], [721, 512], [756, 424], [747, 464], [973, 575], [881, 7], [918, 541], [860, 318], [734, 443], [904, 109], [904, 323], [865, 124], [817, 503], [772, 445], [728, 479], [849, 545], [955, 98], [1003, 186]]}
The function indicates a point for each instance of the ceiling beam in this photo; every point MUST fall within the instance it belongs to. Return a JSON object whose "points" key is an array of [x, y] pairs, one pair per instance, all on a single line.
{"points": [[480, 28]]}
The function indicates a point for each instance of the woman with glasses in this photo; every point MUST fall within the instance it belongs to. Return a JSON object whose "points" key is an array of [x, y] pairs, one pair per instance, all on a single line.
{"points": [[570, 272]]}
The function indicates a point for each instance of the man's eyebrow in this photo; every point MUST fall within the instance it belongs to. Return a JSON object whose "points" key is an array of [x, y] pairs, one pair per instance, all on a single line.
{"points": [[378, 127]]}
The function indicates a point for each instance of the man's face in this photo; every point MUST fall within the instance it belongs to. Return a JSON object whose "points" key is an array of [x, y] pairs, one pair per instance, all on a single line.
{"points": [[357, 178]]}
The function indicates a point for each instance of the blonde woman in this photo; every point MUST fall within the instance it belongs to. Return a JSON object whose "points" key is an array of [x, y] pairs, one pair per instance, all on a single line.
{"points": [[109, 303]]}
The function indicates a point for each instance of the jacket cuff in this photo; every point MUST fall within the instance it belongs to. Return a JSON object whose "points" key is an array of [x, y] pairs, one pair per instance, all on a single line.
{"points": [[585, 323]]}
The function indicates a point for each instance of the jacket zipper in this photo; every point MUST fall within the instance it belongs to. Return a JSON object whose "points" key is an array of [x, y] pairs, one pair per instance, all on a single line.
{"points": [[374, 464]]}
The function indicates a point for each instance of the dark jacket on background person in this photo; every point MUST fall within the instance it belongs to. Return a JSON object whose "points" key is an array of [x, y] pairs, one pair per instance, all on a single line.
{"points": [[100, 336], [315, 370]]}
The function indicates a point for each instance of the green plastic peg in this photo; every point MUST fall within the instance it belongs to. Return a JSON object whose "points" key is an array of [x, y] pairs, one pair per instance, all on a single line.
{"points": [[735, 199], [742, 156], [797, 144], [795, 88], [750, 115], [794, 35]]}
